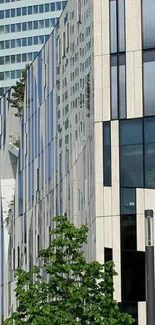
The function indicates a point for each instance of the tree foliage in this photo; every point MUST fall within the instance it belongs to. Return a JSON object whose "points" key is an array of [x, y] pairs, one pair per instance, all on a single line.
{"points": [[17, 98], [66, 289]]}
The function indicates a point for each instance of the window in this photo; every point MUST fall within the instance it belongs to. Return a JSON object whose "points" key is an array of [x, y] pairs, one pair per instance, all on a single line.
{"points": [[133, 276], [1, 60], [131, 153], [148, 14], [58, 5], [18, 58], [13, 76], [64, 4], [41, 24], [24, 57], [128, 232], [35, 40], [149, 149], [107, 254], [30, 25], [47, 7], [41, 8], [24, 27], [41, 39], [13, 13], [18, 11], [36, 24], [24, 11], [47, 23], [30, 10], [24, 42], [118, 87], [106, 154], [52, 6], [148, 80], [29, 56], [7, 28], [35, 9], [1, 75], [18, 42], [12, 43], [12, 58], [18, 26], [52, 22], [13, 28], [128, 201], [7, 59], [7, 44], [117, 26], [2, 29], [30, 41], [7, 13], [1, 14]]}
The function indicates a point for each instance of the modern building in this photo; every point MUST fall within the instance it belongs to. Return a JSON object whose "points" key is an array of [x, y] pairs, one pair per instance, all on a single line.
{"points": [[24, 27], [87, 143]]}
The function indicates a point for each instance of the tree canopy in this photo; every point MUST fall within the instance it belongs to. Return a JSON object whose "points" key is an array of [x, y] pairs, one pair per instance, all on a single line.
{"points": [[17, 97], [67, 289]]}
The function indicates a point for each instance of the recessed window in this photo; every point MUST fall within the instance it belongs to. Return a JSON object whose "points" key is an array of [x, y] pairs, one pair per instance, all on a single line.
{"points": [[30, 25], [35, 9], [13, 76], [47, 7], [7, 13], [30, 41], [18, 26], [24, 27], [36, 24], [13, 28], [106, 154], [24, 42], [13, 13], [58, 5], [41, 8], [24, 11], [1, 60], [131, 153], [18, 11], [52, 6], [117, 26], [30, 10]]}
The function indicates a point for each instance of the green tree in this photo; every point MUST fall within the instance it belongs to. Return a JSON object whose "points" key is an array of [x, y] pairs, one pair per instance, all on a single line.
{"points": [[66, 289], [17, 98]]}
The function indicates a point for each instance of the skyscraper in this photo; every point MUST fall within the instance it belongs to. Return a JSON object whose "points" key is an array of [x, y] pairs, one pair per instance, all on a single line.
{"points": [[24, 27]]}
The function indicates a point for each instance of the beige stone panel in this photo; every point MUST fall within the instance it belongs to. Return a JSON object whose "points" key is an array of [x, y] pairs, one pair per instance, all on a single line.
{"points": [[105, 27], [115, 202], [133, 25], [116, 256], [134, 84], [142, 313], [106, 87], [97, 88], [130, 84], [97, 14], [138, 84], [107, 201], [140, 206], [100, 239], [108, 231], [99, 199], [98, 152]]}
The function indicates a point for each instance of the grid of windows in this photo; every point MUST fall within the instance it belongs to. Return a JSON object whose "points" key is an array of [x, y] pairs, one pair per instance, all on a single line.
{"points": [[22, 42], [30, 10], [18, 58], [26, 26]]}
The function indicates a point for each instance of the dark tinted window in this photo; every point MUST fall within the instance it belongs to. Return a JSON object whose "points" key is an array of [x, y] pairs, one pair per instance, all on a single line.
{"points": [[117, 26], [107, 153], [128, 232], [149, 79], [118, 86], [148, 12], [128, 201], [133, 276], [149, 136], [131, 153], [107, 254]]}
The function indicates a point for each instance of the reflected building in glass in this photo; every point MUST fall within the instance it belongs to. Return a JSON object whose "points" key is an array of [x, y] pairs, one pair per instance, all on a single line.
{"points": [[25, 26], [87, 143]]}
